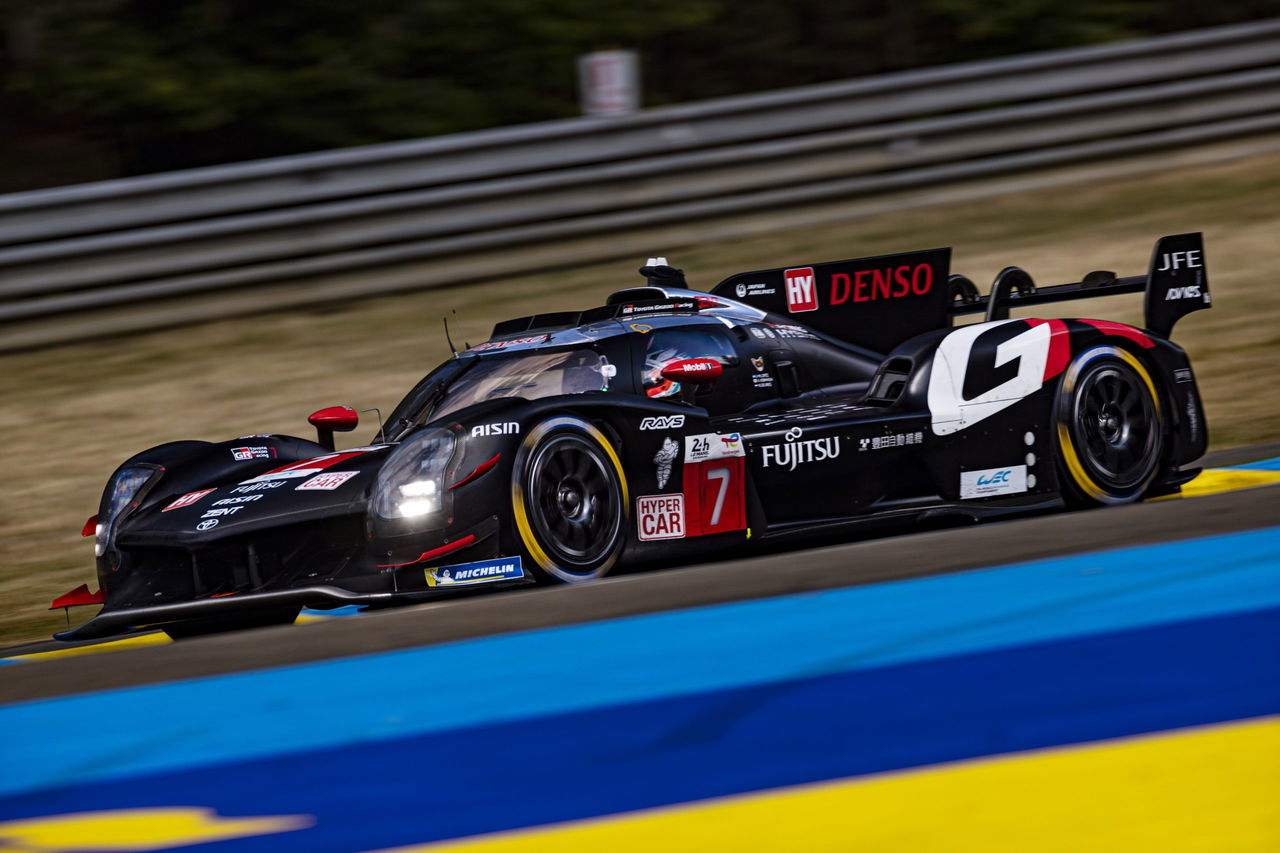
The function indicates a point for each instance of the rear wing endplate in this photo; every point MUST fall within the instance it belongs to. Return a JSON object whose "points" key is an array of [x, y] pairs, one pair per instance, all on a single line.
{"points": [[1177, 283]]}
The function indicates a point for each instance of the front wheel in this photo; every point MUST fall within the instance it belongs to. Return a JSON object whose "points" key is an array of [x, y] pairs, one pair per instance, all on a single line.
{"points": [[569, 499], [1109, 426]]}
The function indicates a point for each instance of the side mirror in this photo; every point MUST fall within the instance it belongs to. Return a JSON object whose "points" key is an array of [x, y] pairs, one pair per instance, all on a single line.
{"points": [[695, 371], [331, 420]]}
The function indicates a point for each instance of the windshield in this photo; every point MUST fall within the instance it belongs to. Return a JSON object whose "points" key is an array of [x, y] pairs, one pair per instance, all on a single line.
{"points": [[542, 374]]}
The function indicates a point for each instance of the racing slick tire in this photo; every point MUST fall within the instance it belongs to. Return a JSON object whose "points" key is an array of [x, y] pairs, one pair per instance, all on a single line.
{"points": [[1109, 426], [569, 500]]}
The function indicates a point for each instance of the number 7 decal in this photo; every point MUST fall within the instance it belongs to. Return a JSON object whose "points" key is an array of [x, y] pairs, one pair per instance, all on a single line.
{"points": [[714, 497]]}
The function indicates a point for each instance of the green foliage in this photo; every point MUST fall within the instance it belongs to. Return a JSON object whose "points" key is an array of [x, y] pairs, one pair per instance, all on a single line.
{"points": [[175, 83]]}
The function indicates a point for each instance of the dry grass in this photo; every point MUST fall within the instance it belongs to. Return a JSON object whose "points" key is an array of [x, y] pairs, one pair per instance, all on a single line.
{"points": [[72, 414]]}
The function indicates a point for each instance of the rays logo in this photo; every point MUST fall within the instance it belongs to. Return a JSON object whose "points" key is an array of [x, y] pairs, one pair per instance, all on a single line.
{"points": [[663, 422]]}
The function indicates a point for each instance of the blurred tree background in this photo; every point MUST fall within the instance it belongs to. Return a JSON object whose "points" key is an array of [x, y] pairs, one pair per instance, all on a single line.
{"points": [[94, 89]]}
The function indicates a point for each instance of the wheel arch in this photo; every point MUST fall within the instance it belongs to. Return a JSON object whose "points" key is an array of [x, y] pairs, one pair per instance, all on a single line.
{"points": [[607, 438], [1073, 472]]}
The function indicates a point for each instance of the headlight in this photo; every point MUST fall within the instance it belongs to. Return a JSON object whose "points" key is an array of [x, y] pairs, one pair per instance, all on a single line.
{"points": [[412, 482], [121, 491]]}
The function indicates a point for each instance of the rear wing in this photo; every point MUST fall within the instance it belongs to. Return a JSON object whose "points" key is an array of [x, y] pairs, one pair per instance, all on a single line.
{"points": [[876, 303], [1177, 283], [881, 301]]}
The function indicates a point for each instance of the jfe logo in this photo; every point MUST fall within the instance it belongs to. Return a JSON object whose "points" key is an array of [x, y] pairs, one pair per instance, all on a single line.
{"points": [[802, 291], [997, 477], [1180, 260]]}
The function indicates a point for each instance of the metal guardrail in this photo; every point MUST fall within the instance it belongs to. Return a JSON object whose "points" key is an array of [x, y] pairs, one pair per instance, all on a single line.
{"points": [[273, 230]]}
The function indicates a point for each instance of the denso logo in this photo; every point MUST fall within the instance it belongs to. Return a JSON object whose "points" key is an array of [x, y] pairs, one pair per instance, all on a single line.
{"points": [[802, 289], [890, 283], [508, 428], [998, 478], [663, 422], [1180, 260], [1191, 291]]}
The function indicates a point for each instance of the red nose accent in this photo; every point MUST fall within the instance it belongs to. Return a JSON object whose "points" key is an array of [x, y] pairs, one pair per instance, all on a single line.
{"points": [[77, 597], [482, 468], [90, 526], [435, 553]]}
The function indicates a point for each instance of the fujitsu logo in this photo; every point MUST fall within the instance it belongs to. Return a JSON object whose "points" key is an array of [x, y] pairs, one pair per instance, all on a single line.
{"points": [[802, 289], [796, 452]]}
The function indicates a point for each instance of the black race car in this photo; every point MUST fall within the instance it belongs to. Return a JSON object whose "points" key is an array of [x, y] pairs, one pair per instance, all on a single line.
{"points": [[668, 425]]}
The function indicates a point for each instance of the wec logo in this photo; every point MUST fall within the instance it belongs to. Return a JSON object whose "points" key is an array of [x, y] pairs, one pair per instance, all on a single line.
{"points": [[994, 481], [662, 422]]}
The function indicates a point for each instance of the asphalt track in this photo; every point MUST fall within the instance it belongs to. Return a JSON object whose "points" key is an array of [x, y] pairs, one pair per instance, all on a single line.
{"points": [[1099, 680], [886, 559]]}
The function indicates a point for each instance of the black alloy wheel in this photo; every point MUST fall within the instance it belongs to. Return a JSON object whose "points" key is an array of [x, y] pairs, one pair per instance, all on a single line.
{"points": [[574, 500], [1115, 431]]}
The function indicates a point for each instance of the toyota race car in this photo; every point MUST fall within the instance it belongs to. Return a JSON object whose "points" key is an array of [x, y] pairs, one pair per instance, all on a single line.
{"points": [[669, 425]]}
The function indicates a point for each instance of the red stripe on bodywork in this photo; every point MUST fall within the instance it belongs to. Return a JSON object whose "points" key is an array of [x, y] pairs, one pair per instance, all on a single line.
{"points": [[319, 462], [1059, 347], [435, 552], [1120, 330], [482, 468]]}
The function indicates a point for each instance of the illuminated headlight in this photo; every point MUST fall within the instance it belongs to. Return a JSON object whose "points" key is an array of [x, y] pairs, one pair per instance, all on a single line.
{"points": [[121, 491], [411, 483]]}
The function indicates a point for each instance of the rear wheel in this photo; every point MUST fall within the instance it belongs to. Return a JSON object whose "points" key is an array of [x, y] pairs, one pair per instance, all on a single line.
{"points": [[1109, 425], [569, 498]]}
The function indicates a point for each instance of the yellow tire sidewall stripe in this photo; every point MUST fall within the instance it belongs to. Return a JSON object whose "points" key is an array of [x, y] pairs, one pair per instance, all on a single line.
{"points": [[1065, 445], [520, 511]]}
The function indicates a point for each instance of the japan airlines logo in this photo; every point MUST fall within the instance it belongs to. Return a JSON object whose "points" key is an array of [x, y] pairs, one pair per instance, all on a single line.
{"points": [[802, 289]]}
